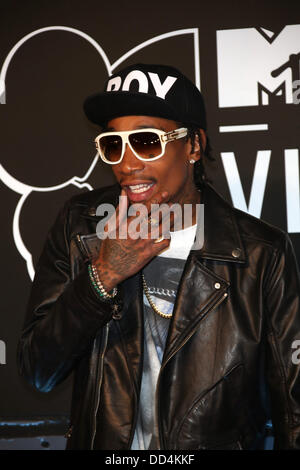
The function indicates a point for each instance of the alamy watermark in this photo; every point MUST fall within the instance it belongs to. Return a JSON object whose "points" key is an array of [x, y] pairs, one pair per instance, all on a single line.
{"points": [[2, 352], [296, 93], [296, 353], [150, 224]]}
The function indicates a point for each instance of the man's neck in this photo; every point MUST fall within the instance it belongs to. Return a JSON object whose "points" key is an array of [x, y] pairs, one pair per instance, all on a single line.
{"points": [[189, 206]]}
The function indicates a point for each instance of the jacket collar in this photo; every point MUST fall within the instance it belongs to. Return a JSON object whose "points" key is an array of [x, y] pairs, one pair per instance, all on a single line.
{"points": [[222, 239]]}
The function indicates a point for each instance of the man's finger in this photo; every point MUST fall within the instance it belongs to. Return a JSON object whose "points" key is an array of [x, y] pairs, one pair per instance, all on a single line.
{"points": [[121, 210]]}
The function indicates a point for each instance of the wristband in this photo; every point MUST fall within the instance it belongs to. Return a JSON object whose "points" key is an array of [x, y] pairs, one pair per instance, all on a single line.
{"points": [[97, 284]]}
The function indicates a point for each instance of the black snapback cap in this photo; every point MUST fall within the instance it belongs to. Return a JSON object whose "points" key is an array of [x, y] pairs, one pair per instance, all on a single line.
{"points": [[148, 90]]}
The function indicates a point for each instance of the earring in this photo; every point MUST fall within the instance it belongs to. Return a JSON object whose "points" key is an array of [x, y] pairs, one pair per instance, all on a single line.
{"points": [[192, 161]]}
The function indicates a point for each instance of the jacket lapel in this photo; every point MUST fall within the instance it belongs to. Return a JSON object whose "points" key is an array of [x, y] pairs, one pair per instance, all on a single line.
{"points": [[199, 292], [222, 239], [200, 289], [90, 243]]}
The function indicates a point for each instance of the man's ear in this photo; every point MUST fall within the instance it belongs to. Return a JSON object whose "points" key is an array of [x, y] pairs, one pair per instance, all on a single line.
{"points": [[199, 149]]}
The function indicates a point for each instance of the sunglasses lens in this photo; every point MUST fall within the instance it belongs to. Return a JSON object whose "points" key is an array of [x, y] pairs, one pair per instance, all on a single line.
{"points": [[146, 144], [111, 147]]}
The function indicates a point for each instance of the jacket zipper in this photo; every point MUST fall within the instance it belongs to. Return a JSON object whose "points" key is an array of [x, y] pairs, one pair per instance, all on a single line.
{"points": [[69, 432], [100, 365], [136, 410], [160, 440]]}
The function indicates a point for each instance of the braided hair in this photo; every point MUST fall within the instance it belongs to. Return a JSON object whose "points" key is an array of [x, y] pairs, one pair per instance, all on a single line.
{"points": [[200, 176]]}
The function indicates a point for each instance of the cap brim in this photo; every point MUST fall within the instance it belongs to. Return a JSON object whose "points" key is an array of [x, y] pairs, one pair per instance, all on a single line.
{"points": [[102, 107]]}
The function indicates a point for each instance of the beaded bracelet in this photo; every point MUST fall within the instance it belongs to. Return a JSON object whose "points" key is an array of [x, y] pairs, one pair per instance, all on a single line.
{"points": [[97, 284]]}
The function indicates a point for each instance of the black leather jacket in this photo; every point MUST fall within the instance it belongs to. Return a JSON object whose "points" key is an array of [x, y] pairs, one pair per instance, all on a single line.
{"points": [[229, 348]]}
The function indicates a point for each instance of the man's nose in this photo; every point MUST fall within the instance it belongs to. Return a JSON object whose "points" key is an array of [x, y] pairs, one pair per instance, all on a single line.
{"points": [[130, 163]]}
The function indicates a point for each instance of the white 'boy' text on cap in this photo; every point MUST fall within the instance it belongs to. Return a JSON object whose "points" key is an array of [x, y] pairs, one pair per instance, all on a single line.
{"points": [[161, 89]]}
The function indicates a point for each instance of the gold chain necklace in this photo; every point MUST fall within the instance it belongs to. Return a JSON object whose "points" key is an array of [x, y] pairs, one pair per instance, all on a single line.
{"points": [[156, 310]]}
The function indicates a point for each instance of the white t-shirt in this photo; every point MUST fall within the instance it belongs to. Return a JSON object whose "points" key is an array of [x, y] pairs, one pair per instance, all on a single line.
{"points": [[162, 276]]}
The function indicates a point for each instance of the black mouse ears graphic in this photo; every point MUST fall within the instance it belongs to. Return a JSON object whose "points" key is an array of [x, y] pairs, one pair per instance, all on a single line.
{"points": [[23, 189], [110, 67], [22, 41]]}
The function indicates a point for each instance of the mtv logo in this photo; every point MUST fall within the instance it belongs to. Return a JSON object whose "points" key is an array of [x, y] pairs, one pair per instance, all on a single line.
{"points": [[257, 66]]}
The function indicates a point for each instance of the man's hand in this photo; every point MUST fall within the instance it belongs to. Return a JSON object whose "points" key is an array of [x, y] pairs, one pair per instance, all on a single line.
{"points": [[120, 258]]}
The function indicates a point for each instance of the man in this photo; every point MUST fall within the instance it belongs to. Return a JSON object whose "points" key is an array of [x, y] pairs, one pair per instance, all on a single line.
{"points": [[173, 345]]}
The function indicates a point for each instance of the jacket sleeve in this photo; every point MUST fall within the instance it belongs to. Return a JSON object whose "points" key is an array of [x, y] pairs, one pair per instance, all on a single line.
{"points": [[282, 301], [63, 314]]}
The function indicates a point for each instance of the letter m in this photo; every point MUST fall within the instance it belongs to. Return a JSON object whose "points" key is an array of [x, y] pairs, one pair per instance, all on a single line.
{"points": [[255, 65]]}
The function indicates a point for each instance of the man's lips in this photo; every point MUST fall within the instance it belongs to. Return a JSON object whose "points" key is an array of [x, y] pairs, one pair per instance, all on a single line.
{"points": [[139, 190]]}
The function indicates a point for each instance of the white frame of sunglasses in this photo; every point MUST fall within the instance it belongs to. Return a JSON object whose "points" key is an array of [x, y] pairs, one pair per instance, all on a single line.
{"points": [[164, 138]]}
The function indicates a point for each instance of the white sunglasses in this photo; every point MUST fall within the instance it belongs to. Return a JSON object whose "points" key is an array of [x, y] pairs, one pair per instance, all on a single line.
{"points": [[146, 144]]}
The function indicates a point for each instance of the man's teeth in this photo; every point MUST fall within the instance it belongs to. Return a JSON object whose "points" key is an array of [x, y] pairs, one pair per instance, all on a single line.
{"points": [[140, 188]]}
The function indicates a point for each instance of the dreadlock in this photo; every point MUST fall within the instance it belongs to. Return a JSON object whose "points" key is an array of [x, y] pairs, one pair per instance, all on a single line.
{"points": [[200, 176]]}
